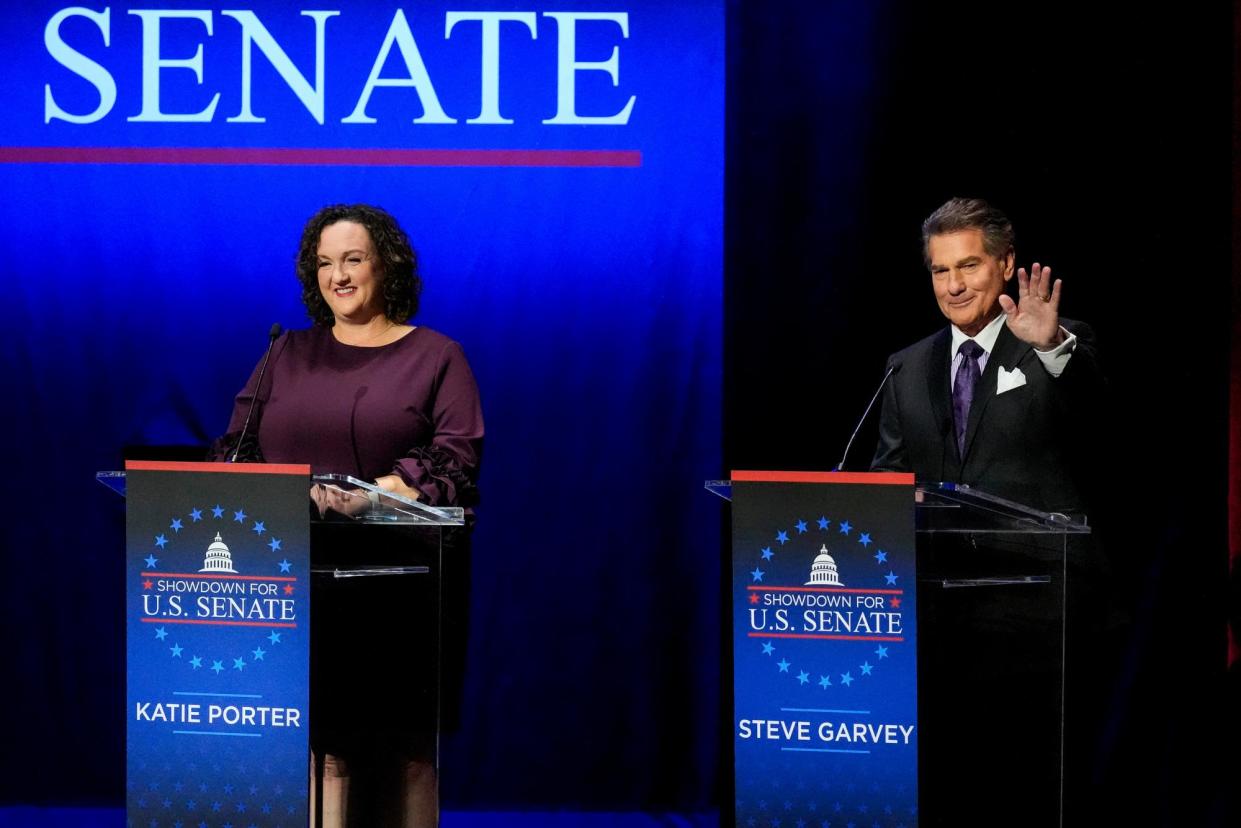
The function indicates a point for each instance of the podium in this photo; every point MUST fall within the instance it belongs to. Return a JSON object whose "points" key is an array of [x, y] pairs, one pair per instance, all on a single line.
{"points": [[987, 688], [359, 587]]}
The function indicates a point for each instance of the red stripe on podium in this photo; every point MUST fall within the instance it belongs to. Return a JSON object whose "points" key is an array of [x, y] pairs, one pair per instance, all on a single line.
{"points": [[877, 478], [826, 589], [219, 577], [897, 639], [216, 623], [230, 468]]}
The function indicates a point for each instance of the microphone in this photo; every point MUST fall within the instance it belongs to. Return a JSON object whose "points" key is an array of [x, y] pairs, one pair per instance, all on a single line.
{"points": [[892, 369], [272, 335]]}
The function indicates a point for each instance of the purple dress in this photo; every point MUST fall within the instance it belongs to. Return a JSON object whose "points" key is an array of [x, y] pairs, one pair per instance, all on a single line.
{"points": [[410, 408]]}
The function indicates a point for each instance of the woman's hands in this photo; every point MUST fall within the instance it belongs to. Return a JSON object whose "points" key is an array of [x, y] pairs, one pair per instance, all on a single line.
{"points": [[356, 502], [339, 500], [396, 484]]}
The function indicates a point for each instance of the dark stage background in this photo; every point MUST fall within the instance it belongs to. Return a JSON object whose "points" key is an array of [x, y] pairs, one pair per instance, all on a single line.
{"points": [[1105, 138]]}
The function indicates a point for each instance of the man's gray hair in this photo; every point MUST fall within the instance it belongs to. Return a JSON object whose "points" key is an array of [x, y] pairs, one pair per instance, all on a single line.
{"points": [[958, 214]]}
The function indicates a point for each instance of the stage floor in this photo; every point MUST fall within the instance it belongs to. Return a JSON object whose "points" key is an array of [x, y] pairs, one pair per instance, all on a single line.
{"points": [[24, 817]]}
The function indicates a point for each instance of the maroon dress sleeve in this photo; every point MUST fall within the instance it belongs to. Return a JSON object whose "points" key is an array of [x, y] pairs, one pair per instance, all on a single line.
{"points": [[445, 471]]}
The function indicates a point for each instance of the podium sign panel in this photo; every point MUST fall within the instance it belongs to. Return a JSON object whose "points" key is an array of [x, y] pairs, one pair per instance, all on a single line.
{"points": [[217, 619], [824, 648]]}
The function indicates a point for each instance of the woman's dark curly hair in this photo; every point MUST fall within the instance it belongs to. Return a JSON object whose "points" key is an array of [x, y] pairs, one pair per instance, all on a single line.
{"points": [[398, 262]]}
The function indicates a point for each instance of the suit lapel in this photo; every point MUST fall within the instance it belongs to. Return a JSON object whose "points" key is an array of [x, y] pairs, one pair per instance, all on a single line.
{"points": [[939, 392], [1007, 352]]}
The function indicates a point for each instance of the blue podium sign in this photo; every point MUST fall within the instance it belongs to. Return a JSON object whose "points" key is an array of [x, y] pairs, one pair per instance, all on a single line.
{"points": [[218, 630], [824, 649]]}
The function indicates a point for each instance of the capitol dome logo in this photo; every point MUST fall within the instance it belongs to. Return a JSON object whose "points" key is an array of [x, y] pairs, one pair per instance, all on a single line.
{"points": [[823, 572], [219, 559]]}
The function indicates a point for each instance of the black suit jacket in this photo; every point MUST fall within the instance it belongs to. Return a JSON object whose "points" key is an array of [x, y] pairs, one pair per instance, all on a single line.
{"points": [[1031, 444]]}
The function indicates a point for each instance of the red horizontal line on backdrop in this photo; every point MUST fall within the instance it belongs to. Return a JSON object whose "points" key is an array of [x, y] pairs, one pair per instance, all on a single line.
{"points": [[217, 623], [812, 635], [214, 577], [884, 478], [825, 589], [228, 468], [325, 157]]}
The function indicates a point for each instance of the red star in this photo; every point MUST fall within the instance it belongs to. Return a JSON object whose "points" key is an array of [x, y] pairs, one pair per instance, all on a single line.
{"points": [[146, 584], [753, 597], [288, 589], [896, 603]]}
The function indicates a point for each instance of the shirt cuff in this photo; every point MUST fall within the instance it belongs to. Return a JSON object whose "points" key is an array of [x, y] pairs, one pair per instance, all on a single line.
{"points": [[1057, 358]]}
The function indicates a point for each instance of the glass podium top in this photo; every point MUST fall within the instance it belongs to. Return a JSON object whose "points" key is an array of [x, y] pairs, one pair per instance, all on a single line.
{"points": [[956, 507], [340, 494]]}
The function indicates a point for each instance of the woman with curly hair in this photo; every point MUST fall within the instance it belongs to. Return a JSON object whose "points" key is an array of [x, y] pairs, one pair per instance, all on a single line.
{"points": [[363, 392]]}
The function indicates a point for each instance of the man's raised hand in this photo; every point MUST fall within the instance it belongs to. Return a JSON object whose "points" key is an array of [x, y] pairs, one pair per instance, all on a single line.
{"points": [[1035, 317]]}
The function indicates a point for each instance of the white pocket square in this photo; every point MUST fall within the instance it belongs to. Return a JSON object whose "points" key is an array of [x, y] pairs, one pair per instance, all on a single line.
{"points": [[1008, 380]]}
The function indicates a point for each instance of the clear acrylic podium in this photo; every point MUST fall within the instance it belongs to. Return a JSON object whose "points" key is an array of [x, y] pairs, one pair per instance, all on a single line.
{"points": [[387, 589], [993, 587]]}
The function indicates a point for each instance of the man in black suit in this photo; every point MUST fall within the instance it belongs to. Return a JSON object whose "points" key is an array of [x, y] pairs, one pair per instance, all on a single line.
{"points": [[1004, 399], [1034, 377]]}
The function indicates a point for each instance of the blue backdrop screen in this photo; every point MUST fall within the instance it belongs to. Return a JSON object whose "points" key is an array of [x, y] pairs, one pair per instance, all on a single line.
{"points": [[559, 171]]}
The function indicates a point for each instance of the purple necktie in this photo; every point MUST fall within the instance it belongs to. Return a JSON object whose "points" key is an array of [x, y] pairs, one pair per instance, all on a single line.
{"points": [[963, 390]]}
